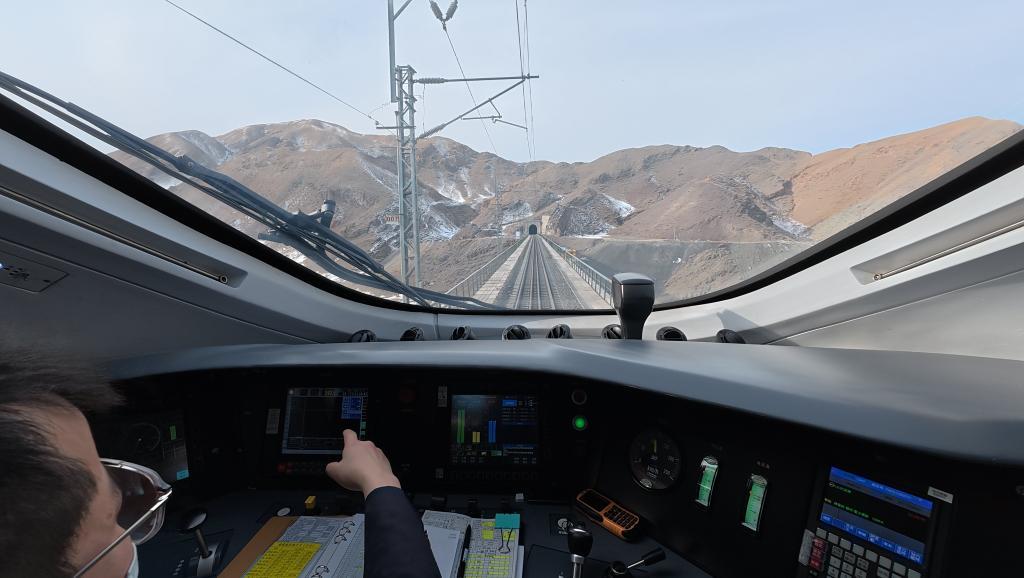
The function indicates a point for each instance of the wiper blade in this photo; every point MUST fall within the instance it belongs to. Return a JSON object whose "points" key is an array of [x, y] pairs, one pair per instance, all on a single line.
{"points": [[305, 233]]}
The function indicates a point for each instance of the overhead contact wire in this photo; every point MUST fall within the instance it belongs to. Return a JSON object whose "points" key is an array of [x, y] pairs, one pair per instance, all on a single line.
{"points": [[470, 89], [519, 39], [276, 63]]}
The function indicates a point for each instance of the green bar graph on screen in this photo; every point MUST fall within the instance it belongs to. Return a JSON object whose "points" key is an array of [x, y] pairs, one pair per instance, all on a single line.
{"points": [[709, 469], [461, 436], [755, 502]]}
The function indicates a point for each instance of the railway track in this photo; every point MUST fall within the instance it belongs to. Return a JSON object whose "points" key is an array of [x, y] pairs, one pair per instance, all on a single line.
{"points": [[537, 282]]}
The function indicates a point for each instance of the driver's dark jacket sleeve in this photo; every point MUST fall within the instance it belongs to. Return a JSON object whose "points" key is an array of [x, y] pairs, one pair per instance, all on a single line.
{"points": [[396, 544]]}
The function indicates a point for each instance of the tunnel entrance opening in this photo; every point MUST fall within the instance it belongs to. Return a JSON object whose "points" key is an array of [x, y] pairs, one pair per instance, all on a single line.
{"points": [[533, 229]]}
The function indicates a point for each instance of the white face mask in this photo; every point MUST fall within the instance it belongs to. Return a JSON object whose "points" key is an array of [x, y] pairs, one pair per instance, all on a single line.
{"points": [[133, 570]]}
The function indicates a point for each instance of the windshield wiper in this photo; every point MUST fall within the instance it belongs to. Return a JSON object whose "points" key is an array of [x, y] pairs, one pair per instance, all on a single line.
{"points": [[311, 235]]}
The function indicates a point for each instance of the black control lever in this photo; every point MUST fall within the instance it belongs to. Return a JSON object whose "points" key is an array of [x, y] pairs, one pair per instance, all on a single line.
{"points": [[621, 570], [633, 296], [580, 542], [192, 523], [209, 554]]}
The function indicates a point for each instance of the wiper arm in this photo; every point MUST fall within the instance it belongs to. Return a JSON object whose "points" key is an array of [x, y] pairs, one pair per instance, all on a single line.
{"points": [[304, 233]]}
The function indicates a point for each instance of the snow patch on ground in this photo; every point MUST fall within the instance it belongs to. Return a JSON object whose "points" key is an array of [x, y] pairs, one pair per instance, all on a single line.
{"points": [[435, 226], [594, 236], [440, 146], [448, 189], [296, 256], [386, 179], [218, 152], [621, 208], [516, 212], [166, 181], [791, 226]]}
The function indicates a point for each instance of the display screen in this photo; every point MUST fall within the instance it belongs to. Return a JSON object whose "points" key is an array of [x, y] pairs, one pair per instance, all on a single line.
{"points": [[315, 417], [757, 487], [888, 518], [706, 484], [155, 440], [496, 430]]}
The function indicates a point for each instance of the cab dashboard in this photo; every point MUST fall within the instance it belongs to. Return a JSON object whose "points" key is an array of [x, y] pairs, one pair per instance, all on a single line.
{"points": [[741, 460]]}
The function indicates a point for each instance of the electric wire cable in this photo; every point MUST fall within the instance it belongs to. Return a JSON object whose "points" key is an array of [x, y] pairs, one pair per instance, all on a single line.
{"points": [[494, 149], [522, 72], [529, 83], [276, 63], [305, 234]]}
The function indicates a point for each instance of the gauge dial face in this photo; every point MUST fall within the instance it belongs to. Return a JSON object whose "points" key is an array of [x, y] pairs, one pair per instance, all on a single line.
{"points": [[655, 460], [141, 438]]}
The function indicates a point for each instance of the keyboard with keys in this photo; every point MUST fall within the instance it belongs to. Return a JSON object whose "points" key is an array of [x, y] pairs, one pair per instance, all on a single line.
{"points": [[838, 557]]}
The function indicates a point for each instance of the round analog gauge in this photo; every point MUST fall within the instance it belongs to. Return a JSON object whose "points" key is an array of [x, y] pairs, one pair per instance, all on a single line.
{"points": [[142, 438], [654, 460]]}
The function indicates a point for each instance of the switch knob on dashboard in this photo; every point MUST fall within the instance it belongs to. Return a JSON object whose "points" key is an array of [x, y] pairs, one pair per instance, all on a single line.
{"points": [[560, 331], [671, 334], [412, 334], [515, 333], [633, 297], [621, 570], [729, 336], [613, 331], [363, 336]]}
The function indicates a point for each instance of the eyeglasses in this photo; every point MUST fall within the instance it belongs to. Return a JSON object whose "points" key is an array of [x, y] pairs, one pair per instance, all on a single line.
{"points": [[143, 495]]}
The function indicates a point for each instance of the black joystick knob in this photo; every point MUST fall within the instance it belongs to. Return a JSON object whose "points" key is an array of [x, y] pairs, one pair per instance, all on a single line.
{"points": [[191, 523], [633, 296], [463, 332], [580, 542]]}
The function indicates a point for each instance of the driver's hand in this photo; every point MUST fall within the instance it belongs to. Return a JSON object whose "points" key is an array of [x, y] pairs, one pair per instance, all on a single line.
{"points": [[363, 467]]}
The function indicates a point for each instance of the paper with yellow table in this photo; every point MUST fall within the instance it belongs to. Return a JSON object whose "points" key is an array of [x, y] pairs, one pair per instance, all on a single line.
{"points": [[492, 553]]}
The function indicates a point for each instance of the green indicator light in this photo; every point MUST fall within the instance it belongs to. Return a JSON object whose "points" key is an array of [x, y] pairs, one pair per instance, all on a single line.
{"points": [[579, 423]]}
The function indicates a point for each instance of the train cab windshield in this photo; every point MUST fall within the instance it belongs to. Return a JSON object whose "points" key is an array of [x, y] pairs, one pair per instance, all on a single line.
{"points": [[505, 289]]}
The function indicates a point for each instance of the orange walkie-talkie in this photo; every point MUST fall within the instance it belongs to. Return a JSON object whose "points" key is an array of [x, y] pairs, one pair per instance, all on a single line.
{"points": [[611, 516]]}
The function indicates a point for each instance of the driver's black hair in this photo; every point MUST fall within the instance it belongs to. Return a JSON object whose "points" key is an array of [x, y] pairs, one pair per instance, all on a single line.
{"points": [[44, 495]]}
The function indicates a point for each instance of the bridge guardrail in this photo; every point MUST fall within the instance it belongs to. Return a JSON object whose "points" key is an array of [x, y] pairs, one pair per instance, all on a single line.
{"points": [[470, 285], [600, 283]]}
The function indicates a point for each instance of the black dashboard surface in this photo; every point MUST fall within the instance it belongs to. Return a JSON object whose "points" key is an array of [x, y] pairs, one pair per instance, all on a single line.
{"points": [[779, 424], [963, 407]]}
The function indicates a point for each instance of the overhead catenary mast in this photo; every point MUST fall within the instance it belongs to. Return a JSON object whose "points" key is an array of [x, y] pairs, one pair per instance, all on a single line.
{"points": [[401, 87]]}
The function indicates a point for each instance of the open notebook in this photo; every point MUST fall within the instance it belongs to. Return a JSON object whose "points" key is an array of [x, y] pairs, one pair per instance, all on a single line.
{"points": [[332, 547], [493, 550]]}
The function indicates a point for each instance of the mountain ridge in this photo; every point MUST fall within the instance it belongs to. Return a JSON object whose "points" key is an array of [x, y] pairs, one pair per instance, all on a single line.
{"points": [[675, 194]]}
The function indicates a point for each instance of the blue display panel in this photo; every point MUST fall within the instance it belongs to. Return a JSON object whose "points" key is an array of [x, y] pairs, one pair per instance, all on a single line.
{"points": [[315, 417], [495, 430], [882, 516]]}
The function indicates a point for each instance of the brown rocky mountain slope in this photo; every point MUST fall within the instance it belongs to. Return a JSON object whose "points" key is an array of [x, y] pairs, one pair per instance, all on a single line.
{"points": [[695, 218]]}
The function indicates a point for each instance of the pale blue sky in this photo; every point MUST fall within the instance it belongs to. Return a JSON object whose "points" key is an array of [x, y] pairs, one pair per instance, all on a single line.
{"points": [[744, 74]]}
